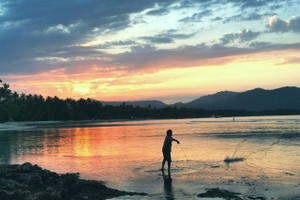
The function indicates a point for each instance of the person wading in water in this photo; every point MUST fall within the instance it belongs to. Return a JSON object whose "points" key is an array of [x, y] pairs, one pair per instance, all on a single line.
{"points": [[166, 149]]}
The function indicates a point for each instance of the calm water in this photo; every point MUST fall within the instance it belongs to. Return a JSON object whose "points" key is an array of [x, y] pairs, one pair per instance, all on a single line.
{"points": [[127, 155]]}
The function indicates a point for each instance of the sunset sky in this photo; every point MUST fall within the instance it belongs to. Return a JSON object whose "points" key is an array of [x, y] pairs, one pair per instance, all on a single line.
{"points": [[169, 50]]}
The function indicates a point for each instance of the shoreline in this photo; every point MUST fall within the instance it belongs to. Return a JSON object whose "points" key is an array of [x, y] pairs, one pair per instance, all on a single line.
{"points": [[28, 125], [29, 181]]}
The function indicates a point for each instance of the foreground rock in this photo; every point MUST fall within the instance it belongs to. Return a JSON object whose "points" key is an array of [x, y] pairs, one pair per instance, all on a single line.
{"points": [[31, 182], [224, 194]]}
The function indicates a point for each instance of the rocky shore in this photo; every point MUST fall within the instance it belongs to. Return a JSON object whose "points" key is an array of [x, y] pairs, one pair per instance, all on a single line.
{"points": [[31, 182]]}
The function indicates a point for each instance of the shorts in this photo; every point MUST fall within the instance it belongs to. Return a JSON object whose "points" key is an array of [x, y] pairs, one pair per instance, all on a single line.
{"points": [[167, 155]]}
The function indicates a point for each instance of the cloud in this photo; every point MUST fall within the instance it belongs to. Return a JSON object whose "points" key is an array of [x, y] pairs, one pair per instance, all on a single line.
{"points": [[117, 43], [197, 17], [217, 19], [252, 16], [278, 25], [149, 59], [158, 39], [244, 35], [292, 60], [251, 3], [31, 29], [256, 3], [40, 37], [252, 10], [168, 36], [160, 11], [267, 46]]}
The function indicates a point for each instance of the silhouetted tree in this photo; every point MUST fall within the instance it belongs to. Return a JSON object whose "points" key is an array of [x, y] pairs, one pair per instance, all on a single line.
{"points": [[21, 107]]}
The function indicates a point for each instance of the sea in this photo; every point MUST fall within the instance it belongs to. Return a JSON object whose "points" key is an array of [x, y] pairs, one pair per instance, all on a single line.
{"points": [[264, 154]]}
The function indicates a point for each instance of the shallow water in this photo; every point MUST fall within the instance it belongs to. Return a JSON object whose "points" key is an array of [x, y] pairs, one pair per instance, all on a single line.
{"points": [[127, 154]]}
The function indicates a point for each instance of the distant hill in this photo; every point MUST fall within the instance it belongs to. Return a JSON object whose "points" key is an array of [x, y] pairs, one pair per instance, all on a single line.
{"points": [[257, 99], [207, 101], [142, 104]]}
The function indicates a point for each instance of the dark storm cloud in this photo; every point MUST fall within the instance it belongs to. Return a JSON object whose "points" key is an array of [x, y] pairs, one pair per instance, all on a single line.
{"points": [[33, 29]]}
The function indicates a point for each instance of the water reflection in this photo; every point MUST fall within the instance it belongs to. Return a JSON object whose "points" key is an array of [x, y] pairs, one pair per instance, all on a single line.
{"points": [[168, 188], [5, 148], [14, 144], [128, 157]]}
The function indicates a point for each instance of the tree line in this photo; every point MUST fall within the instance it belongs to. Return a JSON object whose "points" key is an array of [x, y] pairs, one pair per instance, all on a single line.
{"points": [[22, 107]]}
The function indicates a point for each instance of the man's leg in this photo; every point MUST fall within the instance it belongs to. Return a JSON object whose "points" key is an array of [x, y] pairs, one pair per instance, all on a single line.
{"points": [[163, 164]]}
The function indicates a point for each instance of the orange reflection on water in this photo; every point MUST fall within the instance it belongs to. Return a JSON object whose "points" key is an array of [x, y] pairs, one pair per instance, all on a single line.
{"points": [[121, 153], [97, 153], [82, 143]]}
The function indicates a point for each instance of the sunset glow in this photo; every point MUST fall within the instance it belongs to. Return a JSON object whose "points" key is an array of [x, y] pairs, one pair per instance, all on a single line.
{"points": [[165, 50]]}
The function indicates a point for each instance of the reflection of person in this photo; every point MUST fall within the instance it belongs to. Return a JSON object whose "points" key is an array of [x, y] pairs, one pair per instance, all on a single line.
{"points": [[167, 149], [168, 186]]}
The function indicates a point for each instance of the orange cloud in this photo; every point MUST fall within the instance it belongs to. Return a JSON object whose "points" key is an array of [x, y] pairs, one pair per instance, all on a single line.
{"points": [[229, 73]]}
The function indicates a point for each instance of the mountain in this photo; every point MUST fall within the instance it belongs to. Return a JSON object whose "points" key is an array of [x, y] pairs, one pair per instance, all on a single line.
{"points": [[207, 101], [256, 100], [145, 103]]}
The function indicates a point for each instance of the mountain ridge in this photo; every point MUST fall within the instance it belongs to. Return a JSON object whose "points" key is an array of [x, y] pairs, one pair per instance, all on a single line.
{"points": [[257, 99]]}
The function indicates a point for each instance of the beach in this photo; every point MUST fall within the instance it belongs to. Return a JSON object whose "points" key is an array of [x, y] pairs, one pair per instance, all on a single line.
{"points": [[126, 155]]}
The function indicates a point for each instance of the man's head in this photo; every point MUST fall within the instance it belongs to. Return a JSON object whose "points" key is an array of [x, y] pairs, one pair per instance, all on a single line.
{"points": [[169, 132]]}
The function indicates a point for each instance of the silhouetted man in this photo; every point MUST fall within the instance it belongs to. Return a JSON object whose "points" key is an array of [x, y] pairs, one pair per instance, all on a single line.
{"points": [[167, 149]]}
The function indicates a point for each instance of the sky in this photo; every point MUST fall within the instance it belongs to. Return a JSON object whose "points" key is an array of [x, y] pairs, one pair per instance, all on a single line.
{"points": [[168, 50]]}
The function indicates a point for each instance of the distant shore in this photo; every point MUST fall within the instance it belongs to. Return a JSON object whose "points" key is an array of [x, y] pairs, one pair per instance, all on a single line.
{"points": [[27, 125], [29, 181]]}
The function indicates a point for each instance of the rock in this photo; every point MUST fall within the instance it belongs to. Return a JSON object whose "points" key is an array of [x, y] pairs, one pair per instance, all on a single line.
{"points": [[64, 194], [10, 185], [45, 196], [31, 182], [36, 183], [5, 194], [216, 192], [27, 166], [21, 194], [36, 168]]}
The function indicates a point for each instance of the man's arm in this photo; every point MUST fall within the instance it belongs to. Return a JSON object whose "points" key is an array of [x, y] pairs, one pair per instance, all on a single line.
{"points": [[175, 140]]}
